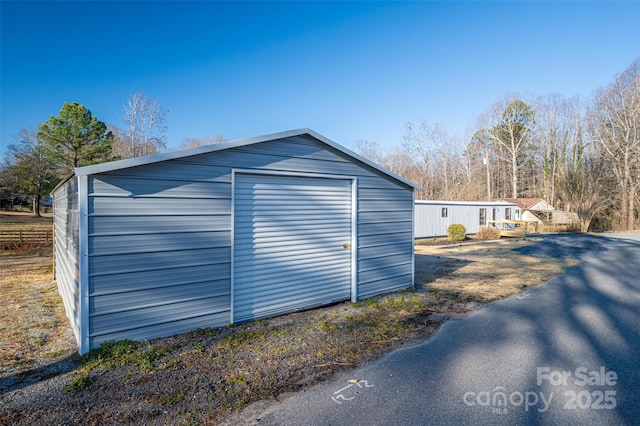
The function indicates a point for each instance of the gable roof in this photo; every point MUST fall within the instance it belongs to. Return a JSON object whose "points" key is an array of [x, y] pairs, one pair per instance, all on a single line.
{"points": [[156, 158], [534, 204]]}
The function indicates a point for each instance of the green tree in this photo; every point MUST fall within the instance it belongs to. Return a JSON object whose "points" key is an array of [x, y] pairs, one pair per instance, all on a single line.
{"points": [[32, 167], [76, 138], [8, 185]]}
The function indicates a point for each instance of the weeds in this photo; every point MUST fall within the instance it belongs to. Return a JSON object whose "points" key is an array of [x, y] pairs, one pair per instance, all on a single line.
{"points": [[243, 336], [220, 370], [171, 400], [111, 355], [51, 302], [79, 383]]}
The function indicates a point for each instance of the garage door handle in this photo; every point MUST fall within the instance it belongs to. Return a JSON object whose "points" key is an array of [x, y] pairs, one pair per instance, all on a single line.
{"points": [[346, 246]]}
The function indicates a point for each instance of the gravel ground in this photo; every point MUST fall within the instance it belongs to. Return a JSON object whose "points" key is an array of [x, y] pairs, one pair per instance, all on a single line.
{"points": [[204, 376]]}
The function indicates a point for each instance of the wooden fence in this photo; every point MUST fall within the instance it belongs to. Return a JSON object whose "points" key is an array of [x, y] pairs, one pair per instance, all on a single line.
{"points": [[10, 238]]}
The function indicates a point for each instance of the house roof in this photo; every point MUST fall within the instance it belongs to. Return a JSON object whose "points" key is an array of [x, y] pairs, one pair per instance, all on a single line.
{"points": [[535, 204], [156, 158], [466, 203]]}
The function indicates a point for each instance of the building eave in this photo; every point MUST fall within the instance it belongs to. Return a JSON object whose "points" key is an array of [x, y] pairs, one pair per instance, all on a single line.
{"points": [[166, 156]]}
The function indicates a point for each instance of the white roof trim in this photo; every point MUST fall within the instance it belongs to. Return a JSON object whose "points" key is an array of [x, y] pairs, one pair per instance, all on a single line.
{"points": [[156, 158], [466, 203]]}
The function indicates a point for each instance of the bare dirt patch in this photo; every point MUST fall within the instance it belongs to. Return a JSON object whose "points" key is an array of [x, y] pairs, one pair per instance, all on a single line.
{"points": [[204, 376]]}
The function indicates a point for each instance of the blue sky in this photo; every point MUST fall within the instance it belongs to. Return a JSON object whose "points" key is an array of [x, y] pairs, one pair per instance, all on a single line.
{"points": [[349, 70]]}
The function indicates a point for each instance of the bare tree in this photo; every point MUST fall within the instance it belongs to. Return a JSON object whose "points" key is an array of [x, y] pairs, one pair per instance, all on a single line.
{"points": [[436, 154], [444, 167], [416, 144], [615, 125], [471, 186], [585, 160], [370, 150], [558, 127], [584, 183], [120, 148], [481, 166], [400, 162], [145, 130], [32, 167], [196, 142], [514, 120]]}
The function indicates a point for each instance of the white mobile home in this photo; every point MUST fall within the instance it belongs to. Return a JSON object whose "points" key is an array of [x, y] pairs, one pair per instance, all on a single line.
{"points": [[226, 233], [433, 217]]}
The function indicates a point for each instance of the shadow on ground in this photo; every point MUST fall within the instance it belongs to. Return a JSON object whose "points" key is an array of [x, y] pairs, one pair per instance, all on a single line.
{"points": [[29, 377]]}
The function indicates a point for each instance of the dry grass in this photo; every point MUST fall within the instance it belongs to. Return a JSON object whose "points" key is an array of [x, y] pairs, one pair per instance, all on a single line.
{"points": [[33, 327], [484, 270], [14, 220], [206, 375]]}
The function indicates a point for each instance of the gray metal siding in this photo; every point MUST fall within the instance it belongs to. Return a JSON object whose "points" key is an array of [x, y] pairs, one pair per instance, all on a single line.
{"points": [[158, 235], [66, 246], [385, 238], [289, 236], [430, 223], [161, 328], [159, 253]]}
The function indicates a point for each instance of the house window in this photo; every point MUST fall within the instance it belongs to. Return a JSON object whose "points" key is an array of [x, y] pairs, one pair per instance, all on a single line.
{"points": [[483, 216], [507, 213], [444, 212], [494, 214], [517, 214]]}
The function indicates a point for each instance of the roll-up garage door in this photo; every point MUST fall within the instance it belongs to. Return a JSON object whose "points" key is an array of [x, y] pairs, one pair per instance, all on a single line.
{"points": [[292, 244]]}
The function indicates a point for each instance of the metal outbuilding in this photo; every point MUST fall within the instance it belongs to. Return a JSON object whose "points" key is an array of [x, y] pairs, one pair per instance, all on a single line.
{"points": [[227, 233], [433, 217]]}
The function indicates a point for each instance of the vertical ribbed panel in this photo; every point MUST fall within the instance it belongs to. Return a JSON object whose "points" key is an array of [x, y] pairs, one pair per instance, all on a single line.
{"points": [[66, 245], [289, 244]]}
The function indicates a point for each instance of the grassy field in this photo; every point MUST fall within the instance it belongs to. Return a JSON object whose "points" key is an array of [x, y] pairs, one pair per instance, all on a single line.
{"points": [[483, 271], [13, 220], [207, 375], [33, 327]]}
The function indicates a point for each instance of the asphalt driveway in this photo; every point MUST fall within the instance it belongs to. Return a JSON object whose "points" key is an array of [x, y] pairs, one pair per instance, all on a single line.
{"points": [[565, 352]]}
